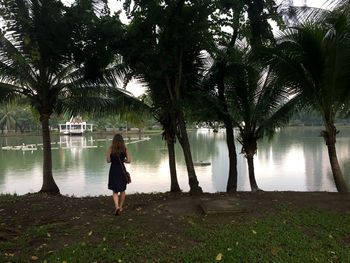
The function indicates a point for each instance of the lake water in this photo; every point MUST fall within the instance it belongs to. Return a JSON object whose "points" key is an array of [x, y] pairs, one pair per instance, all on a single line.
{"points": [[296, 160]]}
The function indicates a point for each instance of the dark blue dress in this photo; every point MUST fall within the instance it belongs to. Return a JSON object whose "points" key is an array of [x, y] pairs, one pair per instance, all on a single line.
{"points": [[116, 179]]}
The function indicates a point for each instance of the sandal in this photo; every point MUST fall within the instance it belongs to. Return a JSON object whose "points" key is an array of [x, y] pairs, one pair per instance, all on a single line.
{"points": [[117, 212]]}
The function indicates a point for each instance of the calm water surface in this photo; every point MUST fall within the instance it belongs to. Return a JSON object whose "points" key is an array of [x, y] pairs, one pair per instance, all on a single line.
{"points": [[295, 160]]}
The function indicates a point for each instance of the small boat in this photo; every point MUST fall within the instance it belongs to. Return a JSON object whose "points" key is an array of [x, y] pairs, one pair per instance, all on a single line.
{"points": [[201, 163]]}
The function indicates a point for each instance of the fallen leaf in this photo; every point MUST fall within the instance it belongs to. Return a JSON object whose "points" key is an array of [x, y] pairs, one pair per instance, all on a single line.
{"points": [[254, 232], [83, 244], [237, 243], [50, 252], [90, 233], [119, 260], [274, 252], [315, 258], [219, 257], [48, 235], [330, 236], [173, 247], [104, 239], [34, 258], [229, 249], [64, 261], [130, 219]]}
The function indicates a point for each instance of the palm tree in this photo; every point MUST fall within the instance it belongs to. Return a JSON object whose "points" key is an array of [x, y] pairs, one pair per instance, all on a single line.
{"points": [[36, 62], [7, 118], [258, 105], [313, 59]]}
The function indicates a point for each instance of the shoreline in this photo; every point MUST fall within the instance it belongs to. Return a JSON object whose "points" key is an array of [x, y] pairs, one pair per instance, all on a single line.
{"points": [[184, 193]]}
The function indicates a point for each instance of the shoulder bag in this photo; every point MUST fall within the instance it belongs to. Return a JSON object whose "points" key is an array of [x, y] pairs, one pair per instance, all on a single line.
{"points": [[127, 174]]}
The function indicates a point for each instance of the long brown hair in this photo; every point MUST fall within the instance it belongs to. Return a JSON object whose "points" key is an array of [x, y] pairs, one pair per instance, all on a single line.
{"points": [[118, 145]]}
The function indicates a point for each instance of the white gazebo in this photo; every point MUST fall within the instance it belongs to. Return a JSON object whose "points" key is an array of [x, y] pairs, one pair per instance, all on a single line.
{"points": [[75, 126]]}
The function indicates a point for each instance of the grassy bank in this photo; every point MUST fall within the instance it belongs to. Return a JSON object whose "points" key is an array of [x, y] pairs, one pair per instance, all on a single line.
{"points": [[277, 227]]}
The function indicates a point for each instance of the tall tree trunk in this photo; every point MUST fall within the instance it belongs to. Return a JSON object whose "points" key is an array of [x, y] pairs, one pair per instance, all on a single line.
{"points": [[249, 148], [329, 136], [49, 185], [195, 189], [255, 15], [250, 161], [174, 187], [231, 186], [230, 139]]}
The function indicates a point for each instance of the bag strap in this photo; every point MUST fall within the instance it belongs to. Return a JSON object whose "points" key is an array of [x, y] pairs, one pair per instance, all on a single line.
{"points": [[123, 168]]}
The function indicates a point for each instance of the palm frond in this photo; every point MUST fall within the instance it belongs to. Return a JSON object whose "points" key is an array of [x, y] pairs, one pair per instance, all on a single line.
{"points": [[102, 100], [279, 118], [14, 66]]}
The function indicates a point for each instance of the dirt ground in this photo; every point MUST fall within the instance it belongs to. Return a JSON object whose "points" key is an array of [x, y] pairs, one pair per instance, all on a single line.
{"points": [[43, 209]]}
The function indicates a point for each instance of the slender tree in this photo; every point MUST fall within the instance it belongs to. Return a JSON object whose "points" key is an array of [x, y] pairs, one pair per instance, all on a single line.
{"points": [[39, 60], [256, 30], [313, 59], [165, 39], [7, 118], [258, 105], [160, 113]]}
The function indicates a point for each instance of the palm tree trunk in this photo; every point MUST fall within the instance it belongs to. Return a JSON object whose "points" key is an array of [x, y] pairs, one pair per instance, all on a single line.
{"points": [[195, 189], [250, 161], [174, 187], [49, 185], [231, 186], [330, 138], [250, 147]]}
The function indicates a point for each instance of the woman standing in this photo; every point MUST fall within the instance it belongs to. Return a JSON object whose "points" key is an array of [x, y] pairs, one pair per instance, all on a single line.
{"points": [[117, 154]]}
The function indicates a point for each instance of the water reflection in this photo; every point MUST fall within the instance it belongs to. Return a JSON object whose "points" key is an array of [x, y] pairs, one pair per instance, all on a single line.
{"points": [[296, 159]]}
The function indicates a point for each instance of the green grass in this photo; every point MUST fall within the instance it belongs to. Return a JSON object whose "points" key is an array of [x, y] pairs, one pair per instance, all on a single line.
{"points": [[284, 234]]}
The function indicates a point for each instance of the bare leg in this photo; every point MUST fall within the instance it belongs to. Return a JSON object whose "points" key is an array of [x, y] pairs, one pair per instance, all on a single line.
{"points": [[116, 201], [122, 199]]}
